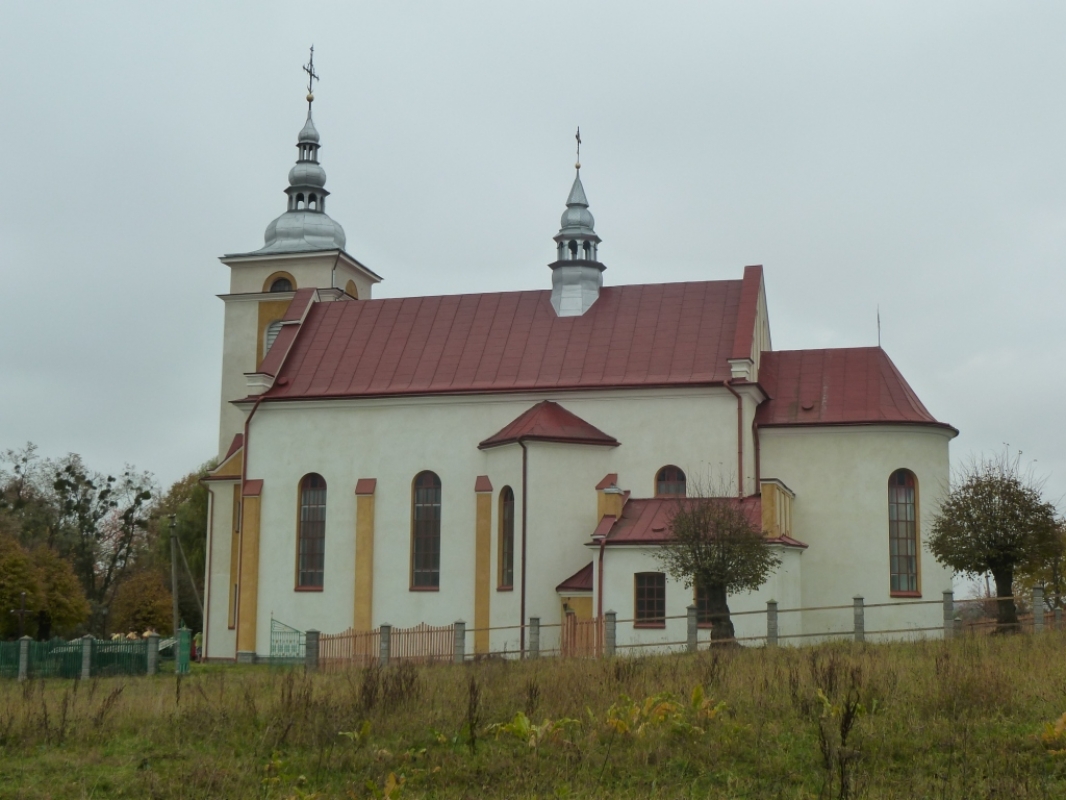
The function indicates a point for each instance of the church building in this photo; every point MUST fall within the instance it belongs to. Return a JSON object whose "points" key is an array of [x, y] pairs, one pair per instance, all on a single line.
{"points": [[500, 456]]}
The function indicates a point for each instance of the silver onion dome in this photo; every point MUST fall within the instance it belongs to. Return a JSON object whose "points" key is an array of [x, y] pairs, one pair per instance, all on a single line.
{"points": [[305, 225], [577, 219]]}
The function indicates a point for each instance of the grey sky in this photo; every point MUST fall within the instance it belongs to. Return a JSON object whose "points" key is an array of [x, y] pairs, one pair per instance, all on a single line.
{"points": [[903, 154]]}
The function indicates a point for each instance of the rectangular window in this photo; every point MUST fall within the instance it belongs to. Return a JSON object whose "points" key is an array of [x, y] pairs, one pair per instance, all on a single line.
{"points": [[650, 600]]}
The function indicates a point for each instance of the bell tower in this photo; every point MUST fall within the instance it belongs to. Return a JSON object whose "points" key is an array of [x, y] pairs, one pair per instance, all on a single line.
{"points": [[304, 248]]}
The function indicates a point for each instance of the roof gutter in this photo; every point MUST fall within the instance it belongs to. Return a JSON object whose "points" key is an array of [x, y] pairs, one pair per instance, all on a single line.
{"points": [[525, 506], [740, 436]]}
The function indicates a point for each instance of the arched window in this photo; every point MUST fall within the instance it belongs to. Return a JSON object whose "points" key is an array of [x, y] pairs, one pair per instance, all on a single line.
{"points": [[270, 335], [505, 568], [573, 249], [351, 290], [425, 532], [281, 285], [903, 531], [311, 544], [670, 482], [312, 202]]}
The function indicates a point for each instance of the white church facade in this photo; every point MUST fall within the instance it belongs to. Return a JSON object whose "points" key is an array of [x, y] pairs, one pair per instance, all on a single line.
{"points": [[496, 457]]}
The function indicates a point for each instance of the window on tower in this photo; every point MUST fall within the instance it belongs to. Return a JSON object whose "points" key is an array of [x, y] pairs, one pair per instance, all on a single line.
{"points": [[281, 285]]}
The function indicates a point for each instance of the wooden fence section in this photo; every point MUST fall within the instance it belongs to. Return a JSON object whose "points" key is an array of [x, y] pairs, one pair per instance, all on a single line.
{"points": [[352, 648], [423, 643], [581, 638]]}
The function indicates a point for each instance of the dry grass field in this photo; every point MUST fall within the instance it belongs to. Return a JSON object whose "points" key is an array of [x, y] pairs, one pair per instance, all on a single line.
{"points": [[964, 719]]}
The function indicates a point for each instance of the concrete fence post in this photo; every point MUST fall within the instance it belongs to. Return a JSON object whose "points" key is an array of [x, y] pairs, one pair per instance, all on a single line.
{"points": [[610, 640], [949, 613], [152, 666], [860, 619], [460, 642], [771, 623], [24, 657], [386, 635], [86, 656], [534, 637], [1038, 609], [693, 629], [311, 643]]}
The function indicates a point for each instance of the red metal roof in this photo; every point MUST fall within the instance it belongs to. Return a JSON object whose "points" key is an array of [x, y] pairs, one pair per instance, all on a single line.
{"points": [[482, 484], [549, 422], [365, 486], [647, 521], [855, 385], [749, 300], [580, 581], [235, 445], [645, 335]]}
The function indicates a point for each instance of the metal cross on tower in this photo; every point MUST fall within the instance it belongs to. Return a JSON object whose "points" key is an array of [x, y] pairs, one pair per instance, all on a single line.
{"points": [[312, 76], [577, 164]]}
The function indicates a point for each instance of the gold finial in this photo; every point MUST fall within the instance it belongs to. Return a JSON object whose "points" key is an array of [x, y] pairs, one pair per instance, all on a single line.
{"points": [[577, 164], [312, 76]]}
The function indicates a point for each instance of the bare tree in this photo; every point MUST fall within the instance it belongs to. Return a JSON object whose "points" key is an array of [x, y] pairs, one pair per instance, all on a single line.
{"points": [[716, 546], [995, 521]]}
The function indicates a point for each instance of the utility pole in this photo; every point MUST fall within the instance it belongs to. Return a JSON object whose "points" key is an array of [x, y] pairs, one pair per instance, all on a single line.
{"points": [[21, 614], [174, 575]]}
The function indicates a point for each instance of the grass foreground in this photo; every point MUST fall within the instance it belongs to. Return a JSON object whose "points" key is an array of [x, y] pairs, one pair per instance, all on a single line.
{"points": [[969, 718]]}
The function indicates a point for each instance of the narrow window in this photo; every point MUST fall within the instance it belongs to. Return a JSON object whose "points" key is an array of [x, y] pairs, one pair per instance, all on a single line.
{"points": [[425, 533], [505, 573], [903, 531], [311, 545], [270, 335], [670, 482], [650, 599]]}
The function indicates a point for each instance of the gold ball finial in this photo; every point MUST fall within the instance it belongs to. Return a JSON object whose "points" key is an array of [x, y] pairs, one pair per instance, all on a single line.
{"points": [[310, 97], [577, 165]]}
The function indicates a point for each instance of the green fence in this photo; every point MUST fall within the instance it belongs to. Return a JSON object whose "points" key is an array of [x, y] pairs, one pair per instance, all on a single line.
{"points": [[286, 642], [59, 658], [181, 658]]}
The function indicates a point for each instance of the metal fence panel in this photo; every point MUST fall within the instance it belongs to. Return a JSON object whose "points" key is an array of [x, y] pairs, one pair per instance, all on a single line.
{"points": [[118, 657], [286, 641]]}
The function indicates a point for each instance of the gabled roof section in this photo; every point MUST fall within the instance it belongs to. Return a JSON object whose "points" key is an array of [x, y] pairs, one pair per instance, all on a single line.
{"points": [[580, 581], [290, 326], [668, 334], [846, 386], [647, 521], [549, 422], [229, 469], [744, 334]]}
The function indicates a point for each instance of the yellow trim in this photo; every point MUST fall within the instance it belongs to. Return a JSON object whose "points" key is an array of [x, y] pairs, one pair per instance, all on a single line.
{"points": [[609, 504], [351, 289], [581, 606], [274, 276], [231, 467], [269, 311], [234, 555], [482, 571], [249, 585], [364, 562]]}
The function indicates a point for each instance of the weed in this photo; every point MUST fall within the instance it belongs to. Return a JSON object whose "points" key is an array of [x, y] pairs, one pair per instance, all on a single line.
{"points": [[532, 696]]}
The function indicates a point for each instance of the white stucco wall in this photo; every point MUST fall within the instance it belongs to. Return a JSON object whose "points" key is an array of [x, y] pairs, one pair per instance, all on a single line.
{"points": [[221, 640], [840, 477], [621, 564], [394, 439]]}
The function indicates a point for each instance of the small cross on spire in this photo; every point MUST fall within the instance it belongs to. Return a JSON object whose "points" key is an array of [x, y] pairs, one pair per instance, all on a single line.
{"points": [[312, 76], [577, 164]]}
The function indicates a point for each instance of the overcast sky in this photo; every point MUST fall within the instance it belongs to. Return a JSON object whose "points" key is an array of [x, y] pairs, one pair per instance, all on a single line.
{"points": [[902, 155]]}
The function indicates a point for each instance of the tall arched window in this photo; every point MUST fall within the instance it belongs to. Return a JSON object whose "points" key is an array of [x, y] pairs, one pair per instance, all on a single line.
{"points": [[670, 482], [505, 569], [903, 531], [311, 544], [425, 532]]}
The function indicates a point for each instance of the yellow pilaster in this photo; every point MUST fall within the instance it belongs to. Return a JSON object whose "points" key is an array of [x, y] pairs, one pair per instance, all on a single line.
{"points": [[247, 614], [482, 564], [364, 554]]}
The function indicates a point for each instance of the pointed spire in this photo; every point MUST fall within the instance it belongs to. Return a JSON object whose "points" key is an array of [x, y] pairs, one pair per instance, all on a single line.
{"points": [[305, 225], [577, 274]]}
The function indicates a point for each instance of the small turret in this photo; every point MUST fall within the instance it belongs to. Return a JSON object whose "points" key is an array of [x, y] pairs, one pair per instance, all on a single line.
{"points": [[577, 274]]}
